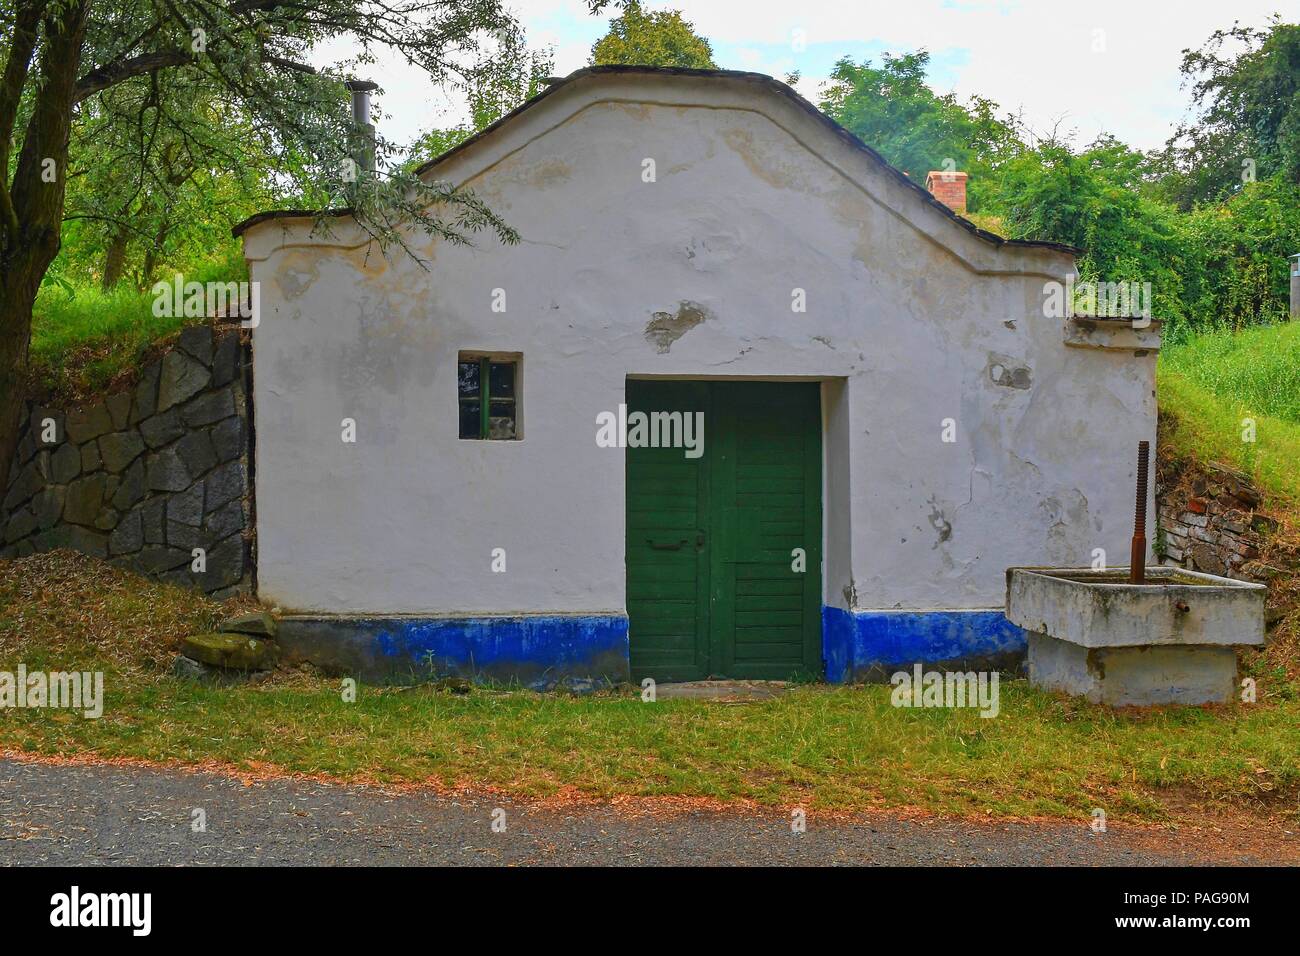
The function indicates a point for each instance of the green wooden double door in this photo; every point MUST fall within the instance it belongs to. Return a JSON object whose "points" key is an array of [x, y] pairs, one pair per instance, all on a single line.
{"points": [[724, 550]]}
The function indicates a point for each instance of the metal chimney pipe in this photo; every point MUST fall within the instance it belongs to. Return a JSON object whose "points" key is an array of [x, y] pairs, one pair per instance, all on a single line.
{"points": [[361, 90], [1137, 568]]}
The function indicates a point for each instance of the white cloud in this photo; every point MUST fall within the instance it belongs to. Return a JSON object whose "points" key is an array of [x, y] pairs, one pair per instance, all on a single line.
{"points": [[1035, 56]]}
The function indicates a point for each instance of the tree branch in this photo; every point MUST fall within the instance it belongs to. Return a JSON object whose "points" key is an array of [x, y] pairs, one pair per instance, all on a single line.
{"points": [[110, 74]]}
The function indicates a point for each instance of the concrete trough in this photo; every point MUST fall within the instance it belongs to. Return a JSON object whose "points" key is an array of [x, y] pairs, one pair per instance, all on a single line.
{"points": [[1171, 640]]}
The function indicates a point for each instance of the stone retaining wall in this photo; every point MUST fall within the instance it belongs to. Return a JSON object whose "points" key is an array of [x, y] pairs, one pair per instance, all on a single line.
{"points": [[1208, 523], [155, 477]]}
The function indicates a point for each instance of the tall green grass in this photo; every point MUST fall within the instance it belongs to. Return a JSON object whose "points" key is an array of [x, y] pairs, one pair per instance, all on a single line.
{"points": [[85, 339], [1211, 383], [1257, 369]]}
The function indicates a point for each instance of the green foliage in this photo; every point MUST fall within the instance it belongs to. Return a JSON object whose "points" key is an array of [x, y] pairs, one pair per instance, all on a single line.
{"points": [[638, 38], [1211, 382], [1249, 126], [1256, 369], [85, 338], [891, 109]]}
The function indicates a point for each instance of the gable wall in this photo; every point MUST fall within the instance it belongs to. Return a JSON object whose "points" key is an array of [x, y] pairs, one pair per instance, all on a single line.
{"points": [[906, 315]]}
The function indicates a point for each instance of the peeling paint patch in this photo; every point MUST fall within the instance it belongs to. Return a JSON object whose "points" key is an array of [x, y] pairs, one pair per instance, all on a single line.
{"points": [[780, 175], [549, 173], [297, 275], [665, 328], [940, 523], [1006, 372]]}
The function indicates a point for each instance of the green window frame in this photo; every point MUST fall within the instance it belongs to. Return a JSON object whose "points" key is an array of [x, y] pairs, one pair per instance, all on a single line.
{"points": [[488, 397]]}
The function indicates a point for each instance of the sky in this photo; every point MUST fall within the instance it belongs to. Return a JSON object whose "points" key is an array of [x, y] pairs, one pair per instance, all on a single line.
{"points": [[1105, 66]]}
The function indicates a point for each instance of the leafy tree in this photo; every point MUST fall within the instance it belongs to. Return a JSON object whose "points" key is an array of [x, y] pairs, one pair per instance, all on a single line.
{"points": [[1249, 125], [1092, 199], [160, 167], [60, 55], [500, 81], [892, 109], [638, 38]]}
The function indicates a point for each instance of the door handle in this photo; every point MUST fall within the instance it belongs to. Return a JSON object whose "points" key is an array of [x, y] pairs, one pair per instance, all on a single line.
{"points": [[666, 546]]}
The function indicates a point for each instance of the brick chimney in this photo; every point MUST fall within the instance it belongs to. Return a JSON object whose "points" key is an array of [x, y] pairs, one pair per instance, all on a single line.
{"points": [[949, 188]]}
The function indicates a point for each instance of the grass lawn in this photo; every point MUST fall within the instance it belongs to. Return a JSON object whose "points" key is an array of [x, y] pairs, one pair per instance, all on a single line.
{"points": [[86, 342], [817, 746]]}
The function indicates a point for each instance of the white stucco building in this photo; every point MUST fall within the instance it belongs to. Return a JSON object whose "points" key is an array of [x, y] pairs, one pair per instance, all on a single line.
{"points": [[881, 394]]}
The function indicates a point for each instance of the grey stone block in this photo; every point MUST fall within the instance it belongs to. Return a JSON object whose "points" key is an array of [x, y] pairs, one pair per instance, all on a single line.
{"points": [[28, 482], [166, 471], [89, 422], [182, 378], [208, 408], [90, 458], [20, 525], [132, 487], [228, 438], [85, 499], [195, 449], [65, 463], [162, 429], [144, 402], [227, 483], [23, 454], [155, 560], [152, 515], [107, 519], [225, 564], [119, 409], [225, 361], [128, 536], [119, 449], [180, 535], [197, 341], [225, 520], [48, 505], [186, 506]]}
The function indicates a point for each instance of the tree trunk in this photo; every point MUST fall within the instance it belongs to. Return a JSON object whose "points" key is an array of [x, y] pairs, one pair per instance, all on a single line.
{"points": [[115, 259], [29, 245], [17, 296], [151, 255]]}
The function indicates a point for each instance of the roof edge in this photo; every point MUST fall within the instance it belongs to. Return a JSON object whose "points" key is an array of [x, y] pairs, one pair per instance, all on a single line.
{"points": [[761, 79]]}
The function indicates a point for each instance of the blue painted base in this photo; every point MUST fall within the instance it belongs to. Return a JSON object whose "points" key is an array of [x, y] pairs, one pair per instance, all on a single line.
{"points": [[870, 645], [542, 652]]}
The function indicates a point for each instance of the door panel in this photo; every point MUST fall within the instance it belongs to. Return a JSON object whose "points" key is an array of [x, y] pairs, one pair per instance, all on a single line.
{"points": [[766, 486], [667, 566], [711, 588]]}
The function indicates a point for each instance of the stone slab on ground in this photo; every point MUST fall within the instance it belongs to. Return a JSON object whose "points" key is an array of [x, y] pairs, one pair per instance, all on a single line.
{"points": [[724, 690]]}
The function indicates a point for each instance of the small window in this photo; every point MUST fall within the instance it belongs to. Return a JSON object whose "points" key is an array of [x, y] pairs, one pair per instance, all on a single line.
{"points": [[488, 391]]}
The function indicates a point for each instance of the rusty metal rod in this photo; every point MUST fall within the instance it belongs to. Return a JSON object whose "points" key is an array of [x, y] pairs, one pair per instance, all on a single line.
{"points": [[1137, 566]]}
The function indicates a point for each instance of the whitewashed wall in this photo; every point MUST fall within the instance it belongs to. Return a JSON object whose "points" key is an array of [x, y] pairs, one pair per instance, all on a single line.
{"points": [[907, 312]]}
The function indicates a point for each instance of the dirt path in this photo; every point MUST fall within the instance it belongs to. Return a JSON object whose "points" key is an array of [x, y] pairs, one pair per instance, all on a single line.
{"points": [[86, 814]]}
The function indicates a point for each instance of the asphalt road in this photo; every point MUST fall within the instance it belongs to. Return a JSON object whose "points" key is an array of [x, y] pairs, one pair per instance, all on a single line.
{"points": [[56, 814]]}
